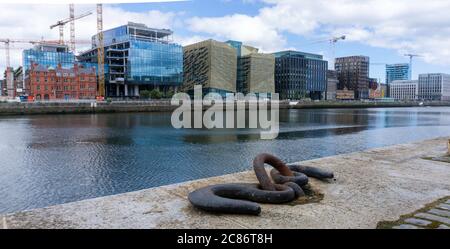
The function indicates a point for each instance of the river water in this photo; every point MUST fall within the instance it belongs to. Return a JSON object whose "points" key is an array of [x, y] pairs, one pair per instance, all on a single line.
{"points": [[52, 159]]}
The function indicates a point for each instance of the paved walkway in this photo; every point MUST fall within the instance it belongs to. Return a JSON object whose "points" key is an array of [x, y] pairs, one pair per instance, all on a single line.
{"points": [[435, 215], [371, 186]]}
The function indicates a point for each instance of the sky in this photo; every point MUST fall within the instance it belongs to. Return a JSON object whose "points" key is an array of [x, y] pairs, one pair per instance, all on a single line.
{"points": [[384, 30]]}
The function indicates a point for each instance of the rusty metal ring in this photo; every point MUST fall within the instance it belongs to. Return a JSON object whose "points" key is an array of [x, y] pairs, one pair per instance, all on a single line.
{"points": [[238, 198], [260, 170]]}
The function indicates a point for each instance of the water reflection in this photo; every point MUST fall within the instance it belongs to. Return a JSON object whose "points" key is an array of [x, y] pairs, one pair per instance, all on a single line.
{"points": [[46, 160]]}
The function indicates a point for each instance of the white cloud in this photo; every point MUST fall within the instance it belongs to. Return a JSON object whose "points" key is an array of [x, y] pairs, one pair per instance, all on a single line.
{"points": [[415, 26], [251, 30]]}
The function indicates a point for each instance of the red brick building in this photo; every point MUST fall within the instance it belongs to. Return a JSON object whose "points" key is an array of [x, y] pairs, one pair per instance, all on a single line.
{"points": [[47, 83]]}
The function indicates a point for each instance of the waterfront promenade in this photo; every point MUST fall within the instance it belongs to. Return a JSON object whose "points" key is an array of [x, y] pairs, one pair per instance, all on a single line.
{"points": [[69, 107], [372, 186]]}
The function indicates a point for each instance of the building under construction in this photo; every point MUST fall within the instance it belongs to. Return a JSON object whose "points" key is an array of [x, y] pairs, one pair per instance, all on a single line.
{"points": [[138, 58]]}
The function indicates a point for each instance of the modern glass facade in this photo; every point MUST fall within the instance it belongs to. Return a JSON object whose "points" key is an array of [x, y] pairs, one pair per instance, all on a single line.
{"points": [[397, 72], [161, 64], [299, 75], [138, 58], [47, 58]]}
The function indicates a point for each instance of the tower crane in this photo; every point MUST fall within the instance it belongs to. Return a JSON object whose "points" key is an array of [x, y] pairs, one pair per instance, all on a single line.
{"points": [[411, 56], [100, 53], [72, 26], [332, 42], [9, 78], [71, 19]]}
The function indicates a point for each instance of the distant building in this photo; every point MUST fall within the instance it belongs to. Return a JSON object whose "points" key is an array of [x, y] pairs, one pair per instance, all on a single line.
{"points": [[332, 84], [353, 74], [434, 86], [8, 86], [379, 92], [345, 94], [138, 58], [2, 83], [397, 72], [299, 75], [404, 89], [255, 71], [212, 64], [48, 83]]}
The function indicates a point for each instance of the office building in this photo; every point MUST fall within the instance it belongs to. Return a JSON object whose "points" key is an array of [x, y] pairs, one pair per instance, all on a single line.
{"points": [[397, 72], [332, 84], [404, 89], [48, 83], [434, 86], [353, 74], [138, 58], [300, 75], [255, 71], [48, 55], [212, 64]]}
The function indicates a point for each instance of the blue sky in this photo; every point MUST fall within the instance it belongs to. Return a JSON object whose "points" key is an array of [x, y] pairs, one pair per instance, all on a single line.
{"points": [[219, 8], [381, 29]]}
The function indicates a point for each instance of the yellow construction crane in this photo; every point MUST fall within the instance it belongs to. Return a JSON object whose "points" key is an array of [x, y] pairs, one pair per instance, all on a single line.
{"points": [[100, 53], [71, 19]]}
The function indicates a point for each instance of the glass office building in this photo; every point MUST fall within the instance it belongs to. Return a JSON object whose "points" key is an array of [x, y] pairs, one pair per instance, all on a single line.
{"points": [[49, 55], [397, 72], [299, 75], [138, 58]]}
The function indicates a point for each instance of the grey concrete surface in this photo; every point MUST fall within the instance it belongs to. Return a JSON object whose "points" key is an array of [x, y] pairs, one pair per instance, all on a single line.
{"points": [[371, 186]]}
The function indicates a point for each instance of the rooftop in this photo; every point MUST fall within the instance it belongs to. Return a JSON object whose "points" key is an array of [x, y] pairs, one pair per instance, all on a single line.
{"points": [[297, 53]]}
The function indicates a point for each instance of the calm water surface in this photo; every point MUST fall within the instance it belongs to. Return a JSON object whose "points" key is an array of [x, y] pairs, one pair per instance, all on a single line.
{"points": [[53, 159]]}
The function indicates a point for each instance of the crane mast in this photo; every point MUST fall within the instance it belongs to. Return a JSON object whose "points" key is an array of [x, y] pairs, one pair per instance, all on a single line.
{"points": [[60, 24], [100, 53], [72, 26]]}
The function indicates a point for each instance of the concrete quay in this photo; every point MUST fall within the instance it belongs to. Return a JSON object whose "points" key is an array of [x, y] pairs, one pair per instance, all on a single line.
{"points": [[372, 186], [63, 107]]}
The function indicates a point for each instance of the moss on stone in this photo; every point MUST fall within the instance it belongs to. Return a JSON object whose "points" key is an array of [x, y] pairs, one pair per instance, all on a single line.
{"points": [[401, 220]]}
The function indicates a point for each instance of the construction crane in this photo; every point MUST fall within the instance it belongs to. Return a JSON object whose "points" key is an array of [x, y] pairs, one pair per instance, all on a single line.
{"points": [[411, 56], [72, 26], [71, 19], [332, 42], [100, 53], [9, 78]]}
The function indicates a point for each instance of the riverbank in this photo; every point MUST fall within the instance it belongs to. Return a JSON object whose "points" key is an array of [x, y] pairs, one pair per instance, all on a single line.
{"points": [[371, 186], [165, 106]]}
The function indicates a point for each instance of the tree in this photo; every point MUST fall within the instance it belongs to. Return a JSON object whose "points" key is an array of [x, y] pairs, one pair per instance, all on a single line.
{"points": [[155, 94], [145, 94], [169, 94]]}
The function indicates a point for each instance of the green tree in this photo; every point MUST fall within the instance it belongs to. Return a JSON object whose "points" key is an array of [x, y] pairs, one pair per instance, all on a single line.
{"points": [[155, 94], [169, 94], [145, 94]]}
